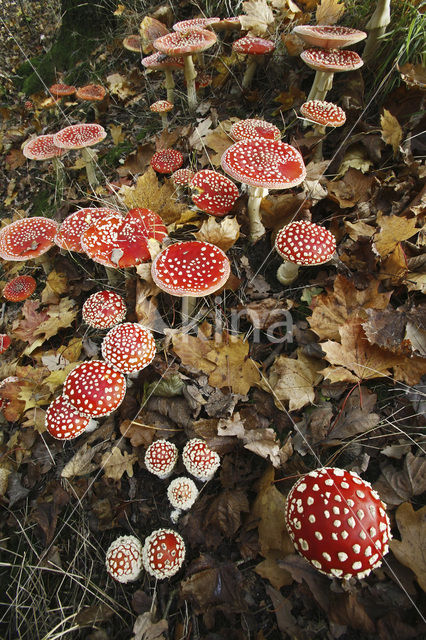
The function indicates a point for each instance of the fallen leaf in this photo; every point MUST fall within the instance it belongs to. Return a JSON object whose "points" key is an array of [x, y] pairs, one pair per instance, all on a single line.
{"points": [[117, 133], [393, 229], [116, 462], [222, 233], [31, 319], [120, 86], [356, 415], [146, 629], [219, 141], [354, 187], [15, 159], [329, 11], [391, 130], [81, 463], [257, 17], [355, 157], [411, 549], [398, 485]]}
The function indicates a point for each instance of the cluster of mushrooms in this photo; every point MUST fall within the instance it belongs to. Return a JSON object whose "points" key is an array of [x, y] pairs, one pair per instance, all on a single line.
{"points": [[335, 519]]}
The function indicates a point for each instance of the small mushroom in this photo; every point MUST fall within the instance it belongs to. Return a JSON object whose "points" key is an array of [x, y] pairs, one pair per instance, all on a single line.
{"points": [[81, 136], [94, 93], [162, 107], [128, 347], [166, 160], [61, 90], [161, 62], [326, 63], [94, 388], [104, 309], [163, 553], [44, 148], [27, 238], [124, 559], [322, 114], [161, 457], [64, 422], [182, 493], [19, 288], [213, 192], [255, 48], [199, 460], [254, 128]]}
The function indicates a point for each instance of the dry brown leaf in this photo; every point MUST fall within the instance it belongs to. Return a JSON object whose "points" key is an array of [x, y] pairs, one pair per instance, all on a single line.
{"points": [[222, 233], [119, 86], [393, 229], [355, 157], [257, 17], [391, 130], [115, 463], [219, 141], [138, 433], [146, 629], [411, 549], [293, 380], [329, 11], [360, 229], [31, 319], [117, 133], [233, 366], [81, 463], [352, 188]]}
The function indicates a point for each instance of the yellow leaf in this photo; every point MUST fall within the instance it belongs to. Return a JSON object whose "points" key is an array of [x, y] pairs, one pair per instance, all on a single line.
{"points": [[219, 141], [59, 317], [117, 134], [57, 378], [393, 229], [234, 368], [223, 233], [329, 11], [391, 130], [355, 157], [115, 463], [81, 463], [410, 550], [119, 86], [119, 10], [257, 17]]}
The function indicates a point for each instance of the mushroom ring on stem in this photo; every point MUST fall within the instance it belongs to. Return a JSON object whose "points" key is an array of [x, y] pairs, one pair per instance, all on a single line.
{"points": [[302, 243], [263, 164]]}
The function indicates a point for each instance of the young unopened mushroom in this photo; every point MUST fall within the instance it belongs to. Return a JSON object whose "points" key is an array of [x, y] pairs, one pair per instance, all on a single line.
{"points": [[166, 160], [199, 460], [64, 422], [104, 309], [82, 136], [338, 523], [254, 128], [255, 48], [19, 288], [161, 457], [182, 177], [213, 192], [263, 164], [95, 388], [162, 107], [302, 243], [326, 63], [182, 493], [124, 559], [128, 347], [163, 553]]}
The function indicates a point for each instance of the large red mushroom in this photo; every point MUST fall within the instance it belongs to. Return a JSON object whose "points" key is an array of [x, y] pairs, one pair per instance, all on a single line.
{"points": [[27, 238], [95, 388], [128, 347]]}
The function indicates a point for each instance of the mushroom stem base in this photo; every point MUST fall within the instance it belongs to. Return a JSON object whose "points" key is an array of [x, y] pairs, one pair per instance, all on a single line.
{"points": [[323, 82], [287, 272], [256, 194], [190, 75]]}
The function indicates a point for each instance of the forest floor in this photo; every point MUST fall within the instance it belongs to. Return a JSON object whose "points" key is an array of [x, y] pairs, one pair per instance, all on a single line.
{"points": [[327, 371]]}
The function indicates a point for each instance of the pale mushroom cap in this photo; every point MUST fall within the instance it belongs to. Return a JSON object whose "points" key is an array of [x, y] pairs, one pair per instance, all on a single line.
{"points": [[329, 36], [199, 460], [161, 106], [254, 128], [194, 23], [27, 238], [104, 309], [191, 269], [270, 164], [42, 148], [77, 136], [91, 92], [124, 559], [159, 60], [133, 43], [214, 192], [327, 114], [185, 43], [95, 388], [161, 457], [128, 347], [163, 553], [305, 243], [333, 60], [63, 421], [182, 493], [60, 90], [337, 522]]}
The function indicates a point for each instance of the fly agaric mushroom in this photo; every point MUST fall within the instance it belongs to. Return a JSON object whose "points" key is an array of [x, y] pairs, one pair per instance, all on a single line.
{"points": [[4, 342], [161, 62], [92, 93], [160, 458], [302, 243], [104, 309], [253, 128], [162, 107], [166, 160], [376, 28], [182, 493], [150, 29], [199, 460], [70, 231], [119, 242], [42, 148], [337, 522], [81, 136], [255, 48], [10, 379], [61, 90], [194, 23], [329, 36], [163, 553], [263, 164], [128, 347], [326, 63], [214, 192], [124, 559], [64, 422], [185, 44], [27, 238], [322, 114], [19, 288], [133, 43], [95, 388], [182, 177]]}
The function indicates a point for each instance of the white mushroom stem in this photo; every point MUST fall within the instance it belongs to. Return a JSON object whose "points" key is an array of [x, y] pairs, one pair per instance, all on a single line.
{"points": [[250, 70], [256, 194], [59, 178], [164, 120], [169, 85], [287, 272], [319, 130], [323, 82], [376, 27], [188, 306], [190, 75], [88, 157]]}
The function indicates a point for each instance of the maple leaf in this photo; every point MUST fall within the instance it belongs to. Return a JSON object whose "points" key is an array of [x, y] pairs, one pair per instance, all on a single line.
{"points": [[258, 16], [411, 549], [219, 141], [56, 285], [115, 463], [391, 130], [31, 319], [59, 316], [329, 11], [293, 380], [393, 229], [222, 233], [234, 368]]}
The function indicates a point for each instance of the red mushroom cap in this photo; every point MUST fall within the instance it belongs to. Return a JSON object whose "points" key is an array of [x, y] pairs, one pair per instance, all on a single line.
{"points": [[337, 522], [42, 148], [95, 388], [92, 92], [214, 192], [4, 342], [124, 559], [160, 61], [133, 43], [69, 233], [121, 242], [271, 164], [104, 309], [166, 160], [161, 457], [305, 243], [77, 136], [27, 238], [182, 177], [61, 90], [194, 23], [253, 45], [63, 422], [128, 347], [163, 553], [327, 114], [161, 106], [191, 268], [252, 128], [332, 60], [185, 43], [329, 36], [199, 460], [20, 288]]}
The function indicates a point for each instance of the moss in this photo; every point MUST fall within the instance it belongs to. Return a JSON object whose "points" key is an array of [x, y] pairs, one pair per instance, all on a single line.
{"points": [[42, 204]]}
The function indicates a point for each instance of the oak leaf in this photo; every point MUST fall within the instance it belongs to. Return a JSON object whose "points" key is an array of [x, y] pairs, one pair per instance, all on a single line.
{"points": [[411, 549], [115, 463], [329, 11], [391, 130]]}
